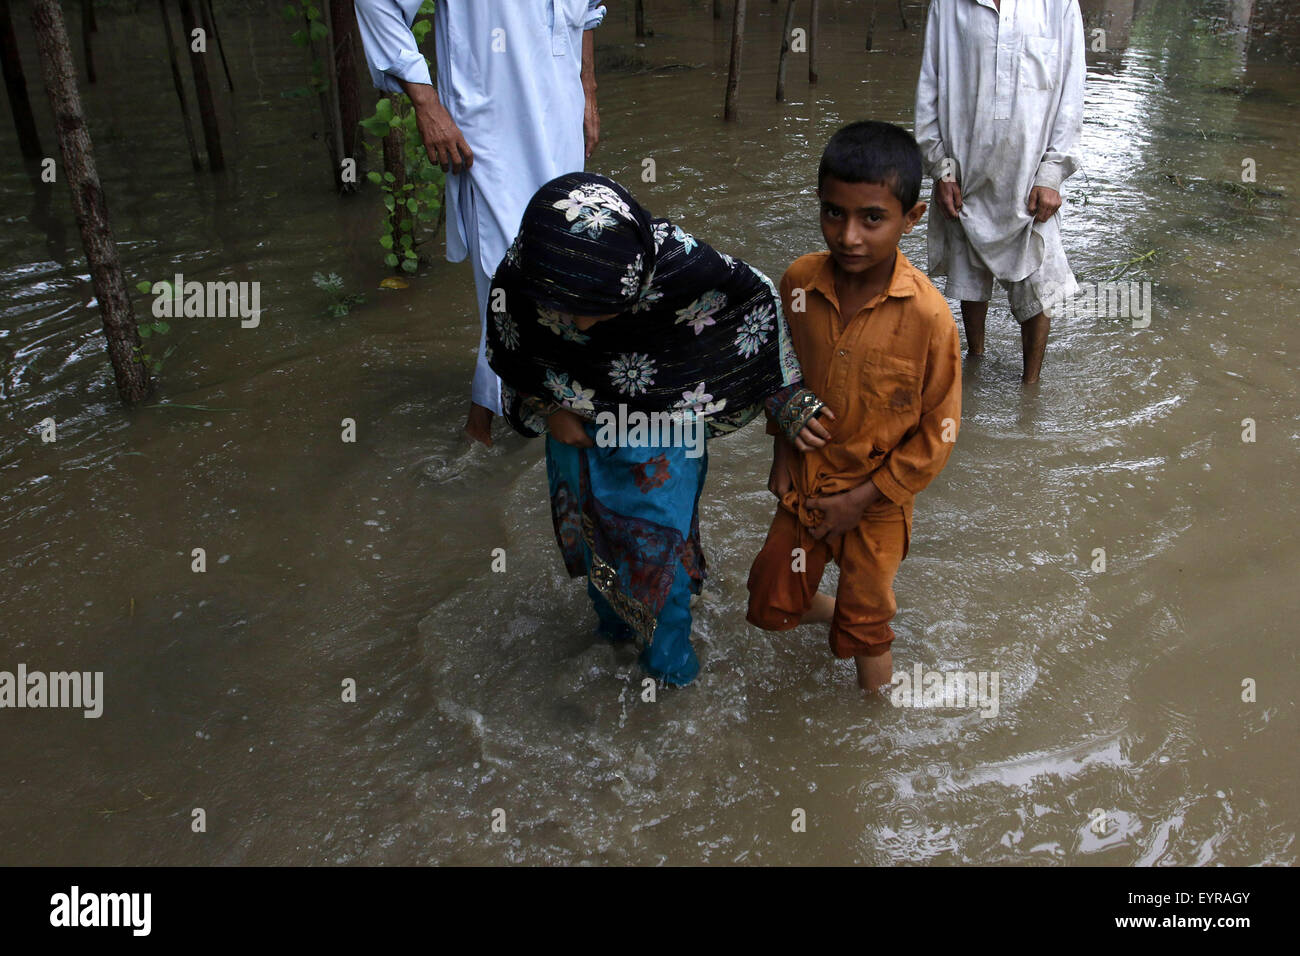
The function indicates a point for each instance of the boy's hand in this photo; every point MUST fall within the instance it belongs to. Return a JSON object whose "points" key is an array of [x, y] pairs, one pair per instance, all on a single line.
{"points": [[566, 427], [1043, 203], [814, 434], [948, 195], [843, 511], [781, 478]]}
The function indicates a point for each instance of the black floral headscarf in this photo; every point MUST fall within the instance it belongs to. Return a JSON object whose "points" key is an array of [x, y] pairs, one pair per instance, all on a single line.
{"points": [[695, 331]]}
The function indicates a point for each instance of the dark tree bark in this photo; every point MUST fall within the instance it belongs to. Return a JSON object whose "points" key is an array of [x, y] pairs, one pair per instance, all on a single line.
{"points": [[812, 40], [342, 17], [717, 9], [210, 23], [785, 51], [639, 13], [202, 91], [180, 86], [87, 28], [133, 381], [29, 142], [733, 73]]}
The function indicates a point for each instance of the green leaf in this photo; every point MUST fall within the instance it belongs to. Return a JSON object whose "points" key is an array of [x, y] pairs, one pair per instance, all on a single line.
{"points": [[410, 254], [389, 177], [390, 260], [388, 202], [144, 286], [412, 205], [299, 37], [373, 177], [318, 30], [161, 327], [145, 331], [406, 242], [410, 265], [386, 241]]}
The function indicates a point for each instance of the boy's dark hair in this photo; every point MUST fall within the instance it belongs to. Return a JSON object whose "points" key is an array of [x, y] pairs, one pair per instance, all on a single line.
{"points": [[873, 152]]}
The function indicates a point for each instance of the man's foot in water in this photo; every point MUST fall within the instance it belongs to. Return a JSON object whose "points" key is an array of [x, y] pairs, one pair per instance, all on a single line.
{"points": [[478, 427]]}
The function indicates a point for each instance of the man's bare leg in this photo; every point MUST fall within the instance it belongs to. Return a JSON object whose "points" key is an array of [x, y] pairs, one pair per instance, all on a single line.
{"points": [[875, 672], [1033, 344], [973, 315], [822, 610], [478, 427]]}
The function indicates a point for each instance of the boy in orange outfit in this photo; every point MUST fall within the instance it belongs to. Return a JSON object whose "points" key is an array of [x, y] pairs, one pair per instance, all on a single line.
{"points": [[880, 347]]}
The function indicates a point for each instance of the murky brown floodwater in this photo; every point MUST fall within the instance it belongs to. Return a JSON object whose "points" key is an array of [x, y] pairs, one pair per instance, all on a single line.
{"points": [[1119, 690]]}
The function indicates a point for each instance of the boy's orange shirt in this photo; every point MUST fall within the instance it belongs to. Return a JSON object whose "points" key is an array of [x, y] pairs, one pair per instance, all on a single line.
{"points": [[891, 374]]}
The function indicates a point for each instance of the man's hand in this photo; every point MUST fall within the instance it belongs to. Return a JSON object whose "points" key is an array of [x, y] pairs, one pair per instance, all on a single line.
{"points": [[948, 194], [842, 512], [1043, 203], [781, 478], [443, 140], [566, 427], [814, 434]]}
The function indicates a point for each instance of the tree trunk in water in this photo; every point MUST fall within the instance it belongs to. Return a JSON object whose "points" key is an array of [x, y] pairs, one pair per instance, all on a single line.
{"points": [[179, 84], [87, 28], [202, 91], [29, 142], [871, 26], [640, 19], [133, 382], [717, 9], [342, 17], [395, 163], [901, 15], [210, 21], [785, 51], [812, 40], [733, 74]]}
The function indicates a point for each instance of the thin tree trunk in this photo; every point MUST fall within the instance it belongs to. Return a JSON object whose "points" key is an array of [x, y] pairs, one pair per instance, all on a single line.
{"points": [[812, 40], [901, 15], [87, 28], [871, 26], [29, 142], [180, 86], [785, 51], [202, 91], [210, 22], [717, 9], [639, 12], [133, 381], [395, 163], [733, 73], [342, 15]]}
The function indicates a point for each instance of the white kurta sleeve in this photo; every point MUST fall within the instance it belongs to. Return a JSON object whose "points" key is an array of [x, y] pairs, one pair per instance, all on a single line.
{"points": [[391, 50], [928, 136], [1061, 158], [595, 15]]}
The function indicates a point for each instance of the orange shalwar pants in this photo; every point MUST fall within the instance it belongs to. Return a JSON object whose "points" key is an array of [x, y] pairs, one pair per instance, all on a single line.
{"points": [[782, 580]]}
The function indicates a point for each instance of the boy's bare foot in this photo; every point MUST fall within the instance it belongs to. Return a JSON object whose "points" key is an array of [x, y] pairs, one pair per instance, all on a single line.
{"points": [[875, 672], [1033, 345], [822, 610], [973, 316], [478, 427]]}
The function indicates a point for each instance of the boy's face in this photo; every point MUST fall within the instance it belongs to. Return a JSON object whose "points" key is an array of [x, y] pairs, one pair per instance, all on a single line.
{"points": [[862, 223]]}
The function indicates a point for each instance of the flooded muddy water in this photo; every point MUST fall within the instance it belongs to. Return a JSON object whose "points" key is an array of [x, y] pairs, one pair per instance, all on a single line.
{"points": [[1120, 691]]}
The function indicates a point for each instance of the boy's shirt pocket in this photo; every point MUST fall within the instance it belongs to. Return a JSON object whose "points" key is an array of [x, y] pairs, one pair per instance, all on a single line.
{"points": [[891, 392]]}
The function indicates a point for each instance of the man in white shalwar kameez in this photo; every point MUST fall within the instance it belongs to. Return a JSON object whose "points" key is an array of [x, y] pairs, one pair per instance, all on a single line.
{"points": [[999, 111], [515, 106]]}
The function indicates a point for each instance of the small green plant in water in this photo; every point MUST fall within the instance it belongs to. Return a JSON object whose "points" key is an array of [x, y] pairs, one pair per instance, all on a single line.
{"points": [[148, 330], [341, 302], [312, 32]]}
